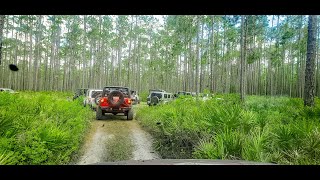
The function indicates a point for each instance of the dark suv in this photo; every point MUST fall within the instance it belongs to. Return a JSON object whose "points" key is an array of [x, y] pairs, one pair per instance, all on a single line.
{"points": [[79, 92], [114, 99]]}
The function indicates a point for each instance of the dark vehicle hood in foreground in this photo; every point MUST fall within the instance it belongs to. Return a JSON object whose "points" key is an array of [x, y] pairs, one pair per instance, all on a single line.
{"points": [[183, 162]]}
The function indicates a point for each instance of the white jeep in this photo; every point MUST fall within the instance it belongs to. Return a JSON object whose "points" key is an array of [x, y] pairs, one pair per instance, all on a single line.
{"points": [[90, 98], [135, 97], [159, 97]]}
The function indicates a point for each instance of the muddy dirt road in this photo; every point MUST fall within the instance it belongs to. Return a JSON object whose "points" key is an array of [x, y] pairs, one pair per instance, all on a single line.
{"points": [[116, 139]]}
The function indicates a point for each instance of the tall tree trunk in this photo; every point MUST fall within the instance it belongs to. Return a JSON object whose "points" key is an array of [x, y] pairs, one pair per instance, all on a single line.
{"points": [[317, 61], [31, 80], [197, 58], [216, 62], [185, 69], [310, 61], [91, 66], [211, 57], [201, 85], [100, 47], [138, 66], [302, 63], [112, 68], [2, 17], [243, 58], [259, 90], [84, 56], [57, 58], [129, 57], [4, 69], [190, 67], [37, 56], [25, 61], [52, 56], [13, 81], [45, 78], [119, 56], [8, 83]]}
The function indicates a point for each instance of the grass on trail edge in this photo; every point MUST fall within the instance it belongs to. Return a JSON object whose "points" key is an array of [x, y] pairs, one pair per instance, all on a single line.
{"points": [[41, 127], [266, 129], [119, 147]]}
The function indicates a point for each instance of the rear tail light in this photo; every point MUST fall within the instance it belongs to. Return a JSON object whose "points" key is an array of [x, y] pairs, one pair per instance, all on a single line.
{"points": [[104, 101], [127, 101]]}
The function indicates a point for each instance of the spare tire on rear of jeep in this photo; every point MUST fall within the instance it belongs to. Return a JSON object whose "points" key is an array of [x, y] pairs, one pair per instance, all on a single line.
{"points": [[113, 94], [154, 100]]}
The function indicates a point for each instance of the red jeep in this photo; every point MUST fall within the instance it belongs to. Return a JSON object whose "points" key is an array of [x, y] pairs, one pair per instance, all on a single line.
{"points": [[114, 99]]}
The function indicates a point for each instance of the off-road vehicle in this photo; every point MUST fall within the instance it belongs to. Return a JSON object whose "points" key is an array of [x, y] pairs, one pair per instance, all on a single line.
{"points": [[135, 97], [185, 93], [8, 90], [90, 98], [114, 99], [150, 92], [79, 92], [159, 97]]}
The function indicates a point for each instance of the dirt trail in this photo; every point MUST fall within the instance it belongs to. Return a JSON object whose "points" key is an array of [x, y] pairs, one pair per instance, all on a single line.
{"points": [[116, 139]]}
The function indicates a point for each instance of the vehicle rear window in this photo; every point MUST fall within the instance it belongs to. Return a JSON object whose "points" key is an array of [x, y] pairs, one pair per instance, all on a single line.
{"points": [[125, 91], [159, 95], [94, 94]]}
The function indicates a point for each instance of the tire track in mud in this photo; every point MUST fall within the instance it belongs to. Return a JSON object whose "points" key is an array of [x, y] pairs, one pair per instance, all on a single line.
{"points": [[116, 139]]}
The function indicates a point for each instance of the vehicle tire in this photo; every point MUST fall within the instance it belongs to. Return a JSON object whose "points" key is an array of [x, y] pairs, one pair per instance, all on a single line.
{"points": [[99, 114], [130, 114], [113, 94], [75, 97], [154, 100], [97, 98], [114, 113]]}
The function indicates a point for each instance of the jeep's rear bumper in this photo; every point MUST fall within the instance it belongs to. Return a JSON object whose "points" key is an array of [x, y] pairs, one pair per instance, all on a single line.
{"points": [[117, 110]]}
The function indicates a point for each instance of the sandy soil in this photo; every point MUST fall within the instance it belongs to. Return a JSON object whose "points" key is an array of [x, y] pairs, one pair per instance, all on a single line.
{"points": [[116, 139]]}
